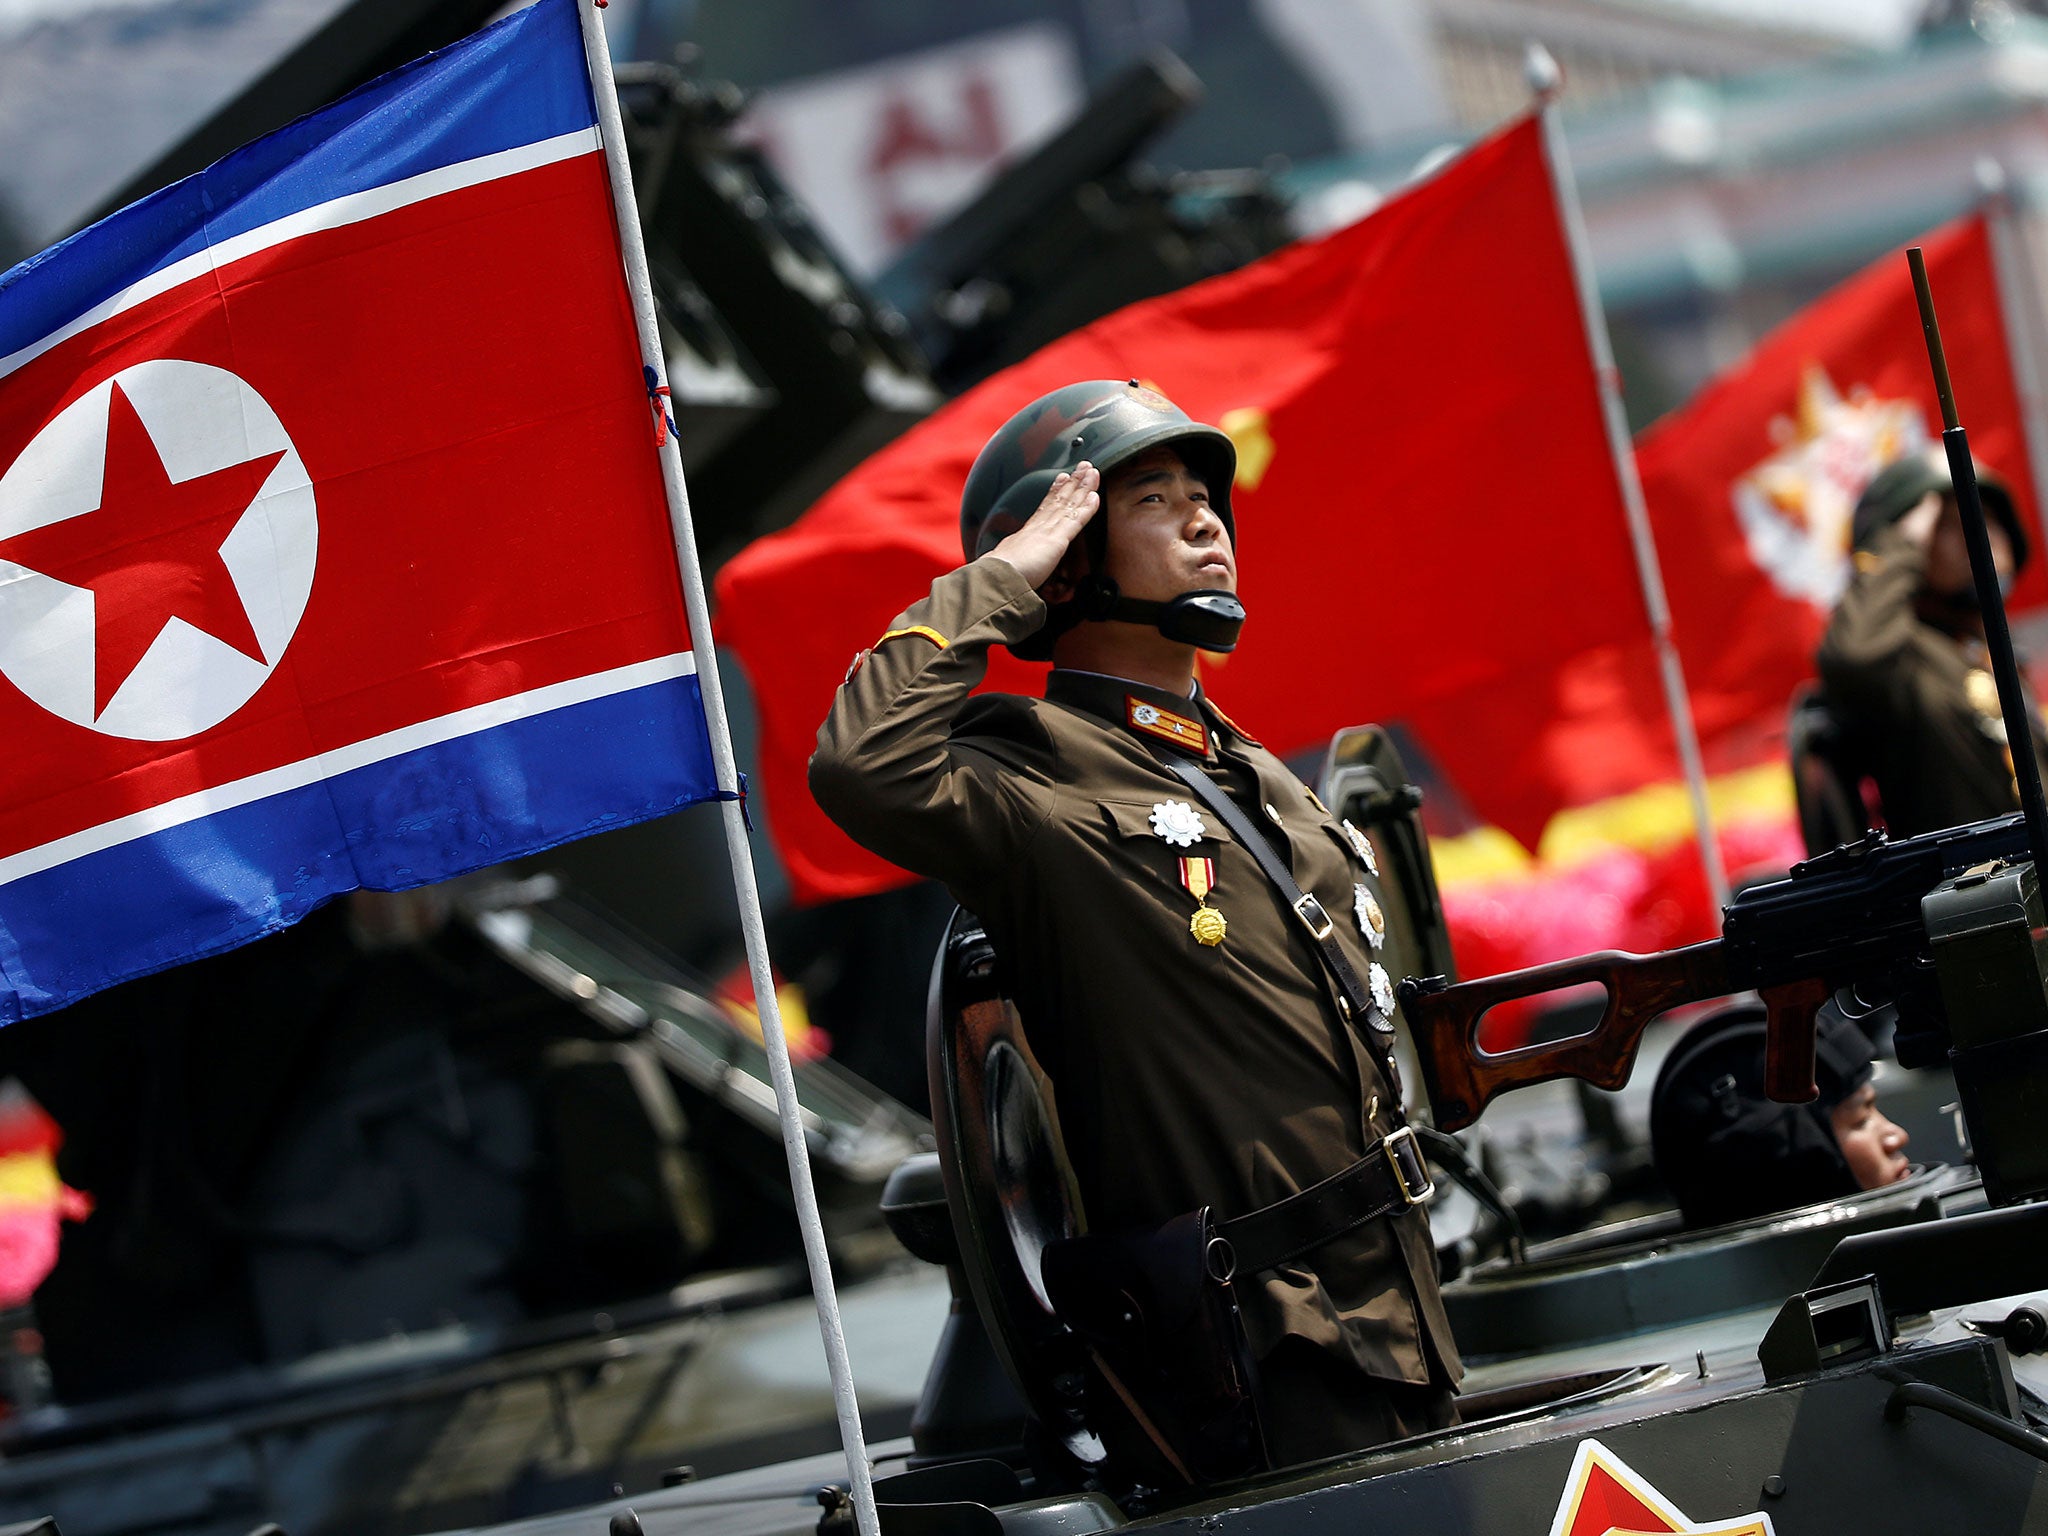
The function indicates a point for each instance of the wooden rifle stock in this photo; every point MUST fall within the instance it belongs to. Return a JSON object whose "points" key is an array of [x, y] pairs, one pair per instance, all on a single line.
{"points": [[1462, 1077]]}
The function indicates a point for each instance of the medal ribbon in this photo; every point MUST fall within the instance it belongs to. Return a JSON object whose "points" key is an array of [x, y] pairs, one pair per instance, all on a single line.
{"points": [[1199, 876]]}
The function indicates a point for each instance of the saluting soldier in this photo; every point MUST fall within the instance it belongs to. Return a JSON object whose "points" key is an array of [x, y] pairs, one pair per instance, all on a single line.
{"points": [[1903, 665], [1207, 999]]}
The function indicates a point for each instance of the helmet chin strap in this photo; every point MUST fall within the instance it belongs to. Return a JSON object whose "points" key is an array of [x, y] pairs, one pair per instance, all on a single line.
{"points": [[1206, 619]]}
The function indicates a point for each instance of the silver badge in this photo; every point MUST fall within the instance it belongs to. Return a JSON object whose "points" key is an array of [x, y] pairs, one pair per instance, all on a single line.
{"points": [[1382, 990], [1178, 823], [1372, 922], [1362, 847], [1144, 714]]}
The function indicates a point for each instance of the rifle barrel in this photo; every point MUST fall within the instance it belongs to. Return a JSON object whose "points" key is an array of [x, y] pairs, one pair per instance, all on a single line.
{"points": [[2019, 726], [1931, 329]]}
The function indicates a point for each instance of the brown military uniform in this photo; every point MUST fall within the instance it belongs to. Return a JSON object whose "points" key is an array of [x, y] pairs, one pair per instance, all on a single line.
{"points": [[1187, 1075], [1920, 704]]}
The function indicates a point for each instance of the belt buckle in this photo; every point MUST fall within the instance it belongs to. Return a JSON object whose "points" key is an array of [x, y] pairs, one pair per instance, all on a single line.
{"points": [[1391, 1145], [1311, 912]]}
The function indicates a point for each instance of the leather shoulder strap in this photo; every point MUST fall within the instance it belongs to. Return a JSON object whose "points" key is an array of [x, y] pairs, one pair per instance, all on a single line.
{"points": [[1322, 930]]}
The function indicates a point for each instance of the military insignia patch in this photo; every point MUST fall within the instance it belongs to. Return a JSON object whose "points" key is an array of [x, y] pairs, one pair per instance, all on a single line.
{"points": [[1362, 846], [1981, 688], [1603, 1493], [1240, 730], [1372, 922], [1178, 823], [1155, 720], [1382, 990], [1797, 506], [915, 632]]}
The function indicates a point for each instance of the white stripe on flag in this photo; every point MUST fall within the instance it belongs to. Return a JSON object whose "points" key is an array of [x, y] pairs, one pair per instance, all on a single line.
{"points": [[334, 214], [361, 754]]}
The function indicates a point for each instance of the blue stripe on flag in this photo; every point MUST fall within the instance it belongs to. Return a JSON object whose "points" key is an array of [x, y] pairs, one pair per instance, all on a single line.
{"points": [[424, 816], [517, 82]]}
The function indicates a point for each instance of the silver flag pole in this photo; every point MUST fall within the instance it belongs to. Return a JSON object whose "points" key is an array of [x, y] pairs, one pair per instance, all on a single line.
{"points": [[1545, 79], [2019, 319], [597, 54]]}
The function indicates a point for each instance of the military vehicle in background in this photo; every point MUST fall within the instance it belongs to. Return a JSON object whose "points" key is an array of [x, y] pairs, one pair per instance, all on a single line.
{"points": [[402, 1225]]}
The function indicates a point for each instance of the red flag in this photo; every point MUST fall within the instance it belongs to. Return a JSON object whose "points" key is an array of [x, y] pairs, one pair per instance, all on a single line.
{"points": [[1750, 486], [1425, 486], [1750, 489]]}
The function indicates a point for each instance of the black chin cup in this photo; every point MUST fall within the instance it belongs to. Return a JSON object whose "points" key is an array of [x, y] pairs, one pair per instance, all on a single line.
{"points": [[1209, 621]]}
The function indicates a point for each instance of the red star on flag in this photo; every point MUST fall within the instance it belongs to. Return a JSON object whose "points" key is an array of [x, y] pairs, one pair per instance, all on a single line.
{"points": [[150, 552]]}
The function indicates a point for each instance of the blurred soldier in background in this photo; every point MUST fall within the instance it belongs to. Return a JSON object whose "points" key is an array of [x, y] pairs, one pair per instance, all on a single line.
{"points": [[1196, 1024], [1727, 1153], [1903, 666]]}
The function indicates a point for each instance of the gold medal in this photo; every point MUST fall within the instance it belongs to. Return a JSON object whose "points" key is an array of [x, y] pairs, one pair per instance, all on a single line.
{"points": [[1982, 690], [1199, 876]]}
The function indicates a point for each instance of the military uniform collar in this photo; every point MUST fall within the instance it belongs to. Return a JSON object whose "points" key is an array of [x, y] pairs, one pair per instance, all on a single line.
{"points": [[1152, 713]]}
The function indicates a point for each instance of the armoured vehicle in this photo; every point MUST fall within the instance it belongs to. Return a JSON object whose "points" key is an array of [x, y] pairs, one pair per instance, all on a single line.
{"points": [[430, 1232], [1871, 1364]]}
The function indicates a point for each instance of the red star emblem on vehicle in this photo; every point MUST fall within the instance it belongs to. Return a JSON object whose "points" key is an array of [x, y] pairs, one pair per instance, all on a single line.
{"points": [[151, 551], [1605, 1496]]}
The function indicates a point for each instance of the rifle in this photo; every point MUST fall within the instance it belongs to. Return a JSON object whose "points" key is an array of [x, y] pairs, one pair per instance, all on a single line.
{"points": [[1852, 917]]}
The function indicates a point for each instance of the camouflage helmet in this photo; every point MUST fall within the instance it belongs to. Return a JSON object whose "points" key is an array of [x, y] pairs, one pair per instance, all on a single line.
{"points": [[1104, 421]]}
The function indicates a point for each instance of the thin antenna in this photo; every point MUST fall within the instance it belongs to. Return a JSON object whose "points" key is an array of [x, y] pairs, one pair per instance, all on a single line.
{"points": [[2019, 730]]}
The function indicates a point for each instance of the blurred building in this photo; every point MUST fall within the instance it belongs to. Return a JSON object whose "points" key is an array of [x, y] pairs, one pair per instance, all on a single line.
{"points": [[1716, 207], [885, 117], [1606, 48]]}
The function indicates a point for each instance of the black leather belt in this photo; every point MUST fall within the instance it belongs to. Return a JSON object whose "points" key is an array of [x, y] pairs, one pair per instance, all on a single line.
{"points": [[1389, 1179]]}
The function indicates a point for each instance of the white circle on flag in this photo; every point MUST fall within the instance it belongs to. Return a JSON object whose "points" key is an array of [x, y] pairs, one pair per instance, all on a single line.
{"points": [[201, 419]]}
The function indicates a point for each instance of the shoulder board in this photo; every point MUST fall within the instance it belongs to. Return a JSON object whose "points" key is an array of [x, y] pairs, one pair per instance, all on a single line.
{"points": [[1239, 730], [1183, 731], [921, 631]]}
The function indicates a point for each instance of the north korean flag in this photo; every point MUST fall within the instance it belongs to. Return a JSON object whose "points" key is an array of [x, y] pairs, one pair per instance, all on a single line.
{"points": [[333, 546]]}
